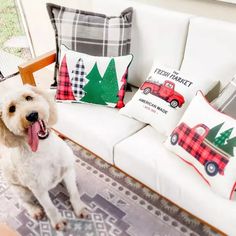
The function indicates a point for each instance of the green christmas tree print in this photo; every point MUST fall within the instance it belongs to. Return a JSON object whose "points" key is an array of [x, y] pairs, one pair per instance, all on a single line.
{"points": [[109, 83], [229, 146], [93, 89], [220, 141], [213, 133], [223, 141]]}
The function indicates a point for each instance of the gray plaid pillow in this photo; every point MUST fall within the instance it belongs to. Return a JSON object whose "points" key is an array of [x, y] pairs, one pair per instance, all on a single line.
{"points": [[226, 101], [92, 33]]}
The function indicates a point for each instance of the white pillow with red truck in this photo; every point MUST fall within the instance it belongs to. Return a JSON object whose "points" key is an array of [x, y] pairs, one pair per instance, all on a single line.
{"points": [[163, 97], [208, 143]]}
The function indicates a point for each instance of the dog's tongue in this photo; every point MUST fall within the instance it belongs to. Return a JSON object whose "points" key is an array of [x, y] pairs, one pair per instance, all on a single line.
{"points": [[33, 139]]}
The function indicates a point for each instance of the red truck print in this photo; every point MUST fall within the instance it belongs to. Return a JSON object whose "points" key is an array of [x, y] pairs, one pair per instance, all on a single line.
{"points": [[194, 141], [164, 91]]}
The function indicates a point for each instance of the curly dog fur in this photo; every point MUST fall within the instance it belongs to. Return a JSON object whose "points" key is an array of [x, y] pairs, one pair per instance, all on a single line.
{"points": [[33, 174]]}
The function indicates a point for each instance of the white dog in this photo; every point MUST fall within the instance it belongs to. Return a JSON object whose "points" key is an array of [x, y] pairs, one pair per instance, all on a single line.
{"points": [[37, 159]]}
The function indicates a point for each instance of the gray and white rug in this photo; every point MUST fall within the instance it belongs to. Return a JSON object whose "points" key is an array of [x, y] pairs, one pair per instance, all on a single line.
{"points": [[120, 206]]}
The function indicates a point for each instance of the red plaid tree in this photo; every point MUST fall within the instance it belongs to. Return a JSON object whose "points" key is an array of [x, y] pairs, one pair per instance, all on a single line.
{"points": [[64, 89], [121, 92]]}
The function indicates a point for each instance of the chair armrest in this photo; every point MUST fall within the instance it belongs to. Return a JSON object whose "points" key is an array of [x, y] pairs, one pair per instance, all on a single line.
{"points": [[27, 69]]}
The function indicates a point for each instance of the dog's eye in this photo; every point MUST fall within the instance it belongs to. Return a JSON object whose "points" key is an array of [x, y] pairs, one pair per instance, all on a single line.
{"points": [[12, 109], [28, 98]]}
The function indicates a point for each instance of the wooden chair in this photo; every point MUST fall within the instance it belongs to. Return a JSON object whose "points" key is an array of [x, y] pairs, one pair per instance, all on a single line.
{"points": [[27, 69]]}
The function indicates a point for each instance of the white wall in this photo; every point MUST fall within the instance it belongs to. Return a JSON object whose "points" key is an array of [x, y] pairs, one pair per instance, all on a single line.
{"points": [[42, 33], [39, 25], [208, 8]]}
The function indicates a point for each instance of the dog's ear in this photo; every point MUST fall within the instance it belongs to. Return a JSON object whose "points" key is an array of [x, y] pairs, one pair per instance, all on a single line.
{"points": [[49, 97], [7, 138]]}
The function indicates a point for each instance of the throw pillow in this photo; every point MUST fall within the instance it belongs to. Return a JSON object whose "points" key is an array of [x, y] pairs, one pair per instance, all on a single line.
{"points": [[226, 101], [90, 79], [163, 97], [206, 139], [92, 33]]}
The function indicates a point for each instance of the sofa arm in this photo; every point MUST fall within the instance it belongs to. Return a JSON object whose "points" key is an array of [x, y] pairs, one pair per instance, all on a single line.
{"points": [[27, 69]]}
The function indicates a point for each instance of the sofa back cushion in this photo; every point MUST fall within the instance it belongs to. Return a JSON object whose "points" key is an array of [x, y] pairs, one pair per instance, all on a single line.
{"points": [[210, 49], [156, 34]]}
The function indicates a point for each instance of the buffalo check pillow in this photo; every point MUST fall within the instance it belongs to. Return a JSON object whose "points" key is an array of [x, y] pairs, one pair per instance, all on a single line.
{"points": [[92, 33], [163, 97], [206, 139], [90, 79]]}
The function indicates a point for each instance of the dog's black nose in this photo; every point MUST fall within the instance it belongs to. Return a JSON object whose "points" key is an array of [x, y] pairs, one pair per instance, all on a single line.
{"points": [[32, 117]]}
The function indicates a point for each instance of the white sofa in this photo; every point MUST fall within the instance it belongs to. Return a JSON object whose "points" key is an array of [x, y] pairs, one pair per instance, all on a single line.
{"points": [[198, 46]]}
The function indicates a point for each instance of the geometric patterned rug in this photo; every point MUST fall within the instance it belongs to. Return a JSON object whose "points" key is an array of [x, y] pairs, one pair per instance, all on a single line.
{"points": [[119, 206]]}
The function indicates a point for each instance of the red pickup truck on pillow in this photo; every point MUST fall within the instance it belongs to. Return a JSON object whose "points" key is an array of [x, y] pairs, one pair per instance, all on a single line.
{"points": [[194, 141], [164, 91]]}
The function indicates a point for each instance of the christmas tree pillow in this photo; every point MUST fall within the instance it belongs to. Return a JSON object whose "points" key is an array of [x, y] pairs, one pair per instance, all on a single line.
{"points": [[206, 139], [163, 97], [91, 79]]}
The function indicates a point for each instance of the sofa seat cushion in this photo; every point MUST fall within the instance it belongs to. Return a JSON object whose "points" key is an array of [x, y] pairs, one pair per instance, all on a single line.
{"points": [[144, 157], [95, 127], [136, 155]]}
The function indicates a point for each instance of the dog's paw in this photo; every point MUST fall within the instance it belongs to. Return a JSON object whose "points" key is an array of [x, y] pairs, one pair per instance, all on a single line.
{"points": [[83, 213], [60, 225], [37, 213]]}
